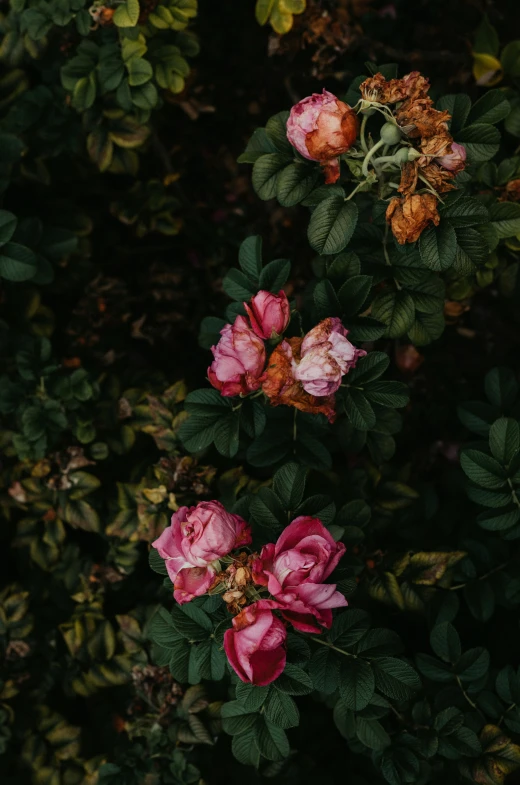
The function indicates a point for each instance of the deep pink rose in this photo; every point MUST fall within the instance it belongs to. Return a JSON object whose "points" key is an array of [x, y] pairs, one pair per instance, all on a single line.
{"points": [[194, 542], [454, 161], [239, 360], [326, 356], [268, 313], [294, 570], [255, 645], [321, 128]]}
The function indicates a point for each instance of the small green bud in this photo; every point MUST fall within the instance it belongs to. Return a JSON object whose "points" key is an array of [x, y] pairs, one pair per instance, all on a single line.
{"points": [[401, 156], [390, 134]]}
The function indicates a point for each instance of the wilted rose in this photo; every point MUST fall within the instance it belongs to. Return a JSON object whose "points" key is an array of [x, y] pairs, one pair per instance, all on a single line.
{"points": [[268, 313], [294, 569], [239, 360], [408, 217], [255, 645], [321, 127], [326, 356], [455, 161], [281, 386], [194, 542]]}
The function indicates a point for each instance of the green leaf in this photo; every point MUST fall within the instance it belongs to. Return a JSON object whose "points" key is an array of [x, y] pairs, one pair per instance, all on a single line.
{"points": [[140, 71], [162, 630], [236, 718], [274, 275], [276, 129], [238, 286], [438, 246], [126, 15], [266, 509], [294, 681], [504, 439], [349, 627], [324, 670], [266, 172], [251, 696], [510, 58], [481, 142], [250, 257], [357, 683], [295, 182], [245, 748], [505, 218], [226, 435], [354, 293], [482, 469], [156, 562], [465, 212], [486, 38], [332, 225], [395, 309], [369, 368], [325, 300], [392, 394], [281, 710], [191, 622], [17, 263], [492, 107], [395, 678], [358, 409], [289, 484], [473, 664], [8, 223], [499, 520], [372, 734], [458, 105], [501, 387], [481, 599], [271, 740], [445, 642]]}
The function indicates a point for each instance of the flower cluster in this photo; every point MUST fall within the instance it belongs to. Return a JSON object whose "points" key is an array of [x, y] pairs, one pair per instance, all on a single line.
{"points": [[302, 372], [285, 578], [432, 160]]}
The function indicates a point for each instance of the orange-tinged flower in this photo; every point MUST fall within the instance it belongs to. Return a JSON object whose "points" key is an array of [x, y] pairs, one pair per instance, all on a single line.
{"points": [[281, 387], [409, 216]]}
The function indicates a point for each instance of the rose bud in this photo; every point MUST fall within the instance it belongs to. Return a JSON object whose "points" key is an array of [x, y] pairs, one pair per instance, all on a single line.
{"points": [[268, 313], [255, 645], [294, 570], [321, 127], [239, 360], [454, 161], [326, 356], [194, 542]]}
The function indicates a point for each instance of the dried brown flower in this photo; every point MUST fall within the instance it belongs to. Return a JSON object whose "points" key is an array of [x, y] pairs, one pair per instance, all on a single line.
{"points": [[409, 216]]}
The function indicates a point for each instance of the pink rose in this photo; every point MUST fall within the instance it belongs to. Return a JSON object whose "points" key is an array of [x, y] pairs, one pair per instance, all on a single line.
{"points": [[326, 356], [294, 570], [321, 128], [194, 542], [268, 313], [239, 360], [454, 161], [255, 645]]}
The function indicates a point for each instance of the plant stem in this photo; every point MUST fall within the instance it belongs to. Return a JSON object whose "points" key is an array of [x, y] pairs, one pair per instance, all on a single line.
{"points": [[335, 648], [369, 155], [363, 141], [356, 189], [480, 578], [474, 705]]}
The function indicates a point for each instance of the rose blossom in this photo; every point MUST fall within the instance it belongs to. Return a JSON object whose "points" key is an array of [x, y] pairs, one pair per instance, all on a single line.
{"points": [[268, 313], [294, 569], [326, 356], [255, 645], [239, 360], [194, 542], [454, 161], [321, 127]]}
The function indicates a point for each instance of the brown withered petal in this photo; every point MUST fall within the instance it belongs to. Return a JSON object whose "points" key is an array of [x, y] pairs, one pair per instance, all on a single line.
{"points": [[436, 146], [511, 192], [409, 175], [439, 178], [409, 216], [411, 86], [426, 120], [281, 387]]}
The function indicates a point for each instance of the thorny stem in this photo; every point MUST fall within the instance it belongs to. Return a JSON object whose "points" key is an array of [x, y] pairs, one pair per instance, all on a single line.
{"points": [[474, 705], [369, 155]]}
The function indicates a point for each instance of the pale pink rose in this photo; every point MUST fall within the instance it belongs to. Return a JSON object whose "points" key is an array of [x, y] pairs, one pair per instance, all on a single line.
{"points": [[326, 356], [454, 161], [294, 570], [194, 542], [321, 127], [255, 645], [268, 313], [239, 360]]}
